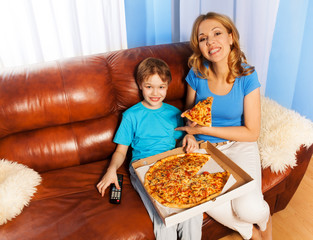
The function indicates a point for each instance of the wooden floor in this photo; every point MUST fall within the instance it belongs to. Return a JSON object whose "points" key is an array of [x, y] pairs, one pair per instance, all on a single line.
{"points": [[295, 222]]}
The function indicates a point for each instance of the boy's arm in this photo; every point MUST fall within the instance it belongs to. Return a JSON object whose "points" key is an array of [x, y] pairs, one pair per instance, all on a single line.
{"points": [[110, 176]]}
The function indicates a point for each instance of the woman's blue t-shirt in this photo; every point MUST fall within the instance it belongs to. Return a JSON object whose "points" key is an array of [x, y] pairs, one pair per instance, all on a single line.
{"points": [[227, 110]]}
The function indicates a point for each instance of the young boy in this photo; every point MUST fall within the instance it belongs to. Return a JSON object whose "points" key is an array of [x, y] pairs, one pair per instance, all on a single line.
{"points": [[149, 128]]}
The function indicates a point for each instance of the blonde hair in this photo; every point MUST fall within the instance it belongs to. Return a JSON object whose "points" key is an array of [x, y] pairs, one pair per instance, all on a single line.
{"points": [[236, 56]]}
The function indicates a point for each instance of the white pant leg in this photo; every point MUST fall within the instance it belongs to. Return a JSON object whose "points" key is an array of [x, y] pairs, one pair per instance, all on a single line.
{"points": [[250, 207], [224, 214], [241, 213]]}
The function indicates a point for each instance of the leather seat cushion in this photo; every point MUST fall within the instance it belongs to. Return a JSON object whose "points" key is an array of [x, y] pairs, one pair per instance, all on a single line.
{"points": [[67, 205]]}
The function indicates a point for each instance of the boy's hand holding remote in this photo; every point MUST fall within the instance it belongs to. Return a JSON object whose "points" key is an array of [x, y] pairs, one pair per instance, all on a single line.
{"points": [[111, 175]]}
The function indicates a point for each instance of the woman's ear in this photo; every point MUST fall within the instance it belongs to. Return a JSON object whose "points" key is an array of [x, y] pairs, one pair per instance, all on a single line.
{"points": [[230, 37]]}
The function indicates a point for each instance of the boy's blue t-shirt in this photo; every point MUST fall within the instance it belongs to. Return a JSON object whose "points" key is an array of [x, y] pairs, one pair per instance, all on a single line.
{"points": [[149, 131], [227, 110]]}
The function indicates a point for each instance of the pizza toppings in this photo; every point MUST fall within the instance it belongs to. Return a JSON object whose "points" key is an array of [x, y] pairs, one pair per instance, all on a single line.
{"points": [[201, 112], [173, 181]]}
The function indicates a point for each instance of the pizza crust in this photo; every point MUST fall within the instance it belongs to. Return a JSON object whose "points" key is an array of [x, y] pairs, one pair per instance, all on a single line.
{"points": [[196, 120], [201, 112]]}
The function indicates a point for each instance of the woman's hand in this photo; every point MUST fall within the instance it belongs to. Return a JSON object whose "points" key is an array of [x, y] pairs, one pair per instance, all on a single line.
{"points": [[197, 129], [189, 122], [190, 143]]}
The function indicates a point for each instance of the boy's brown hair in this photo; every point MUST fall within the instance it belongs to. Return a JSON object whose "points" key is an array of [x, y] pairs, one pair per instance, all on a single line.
{"points": [[151, 66]]}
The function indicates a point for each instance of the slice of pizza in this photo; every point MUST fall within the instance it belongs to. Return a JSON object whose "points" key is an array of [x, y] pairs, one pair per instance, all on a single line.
{"points": [[201, 113]]}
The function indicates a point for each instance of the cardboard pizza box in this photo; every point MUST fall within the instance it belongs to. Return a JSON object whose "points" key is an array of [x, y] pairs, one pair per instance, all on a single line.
{"points": [[240, 183]]}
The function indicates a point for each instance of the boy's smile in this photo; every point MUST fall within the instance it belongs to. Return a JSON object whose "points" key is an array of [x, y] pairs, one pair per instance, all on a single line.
{"points": [[154, 91], [154, 99]]}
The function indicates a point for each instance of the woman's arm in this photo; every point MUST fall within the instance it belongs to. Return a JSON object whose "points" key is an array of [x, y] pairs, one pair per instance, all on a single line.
{"points": [[247, 133], [190, 102], [190, 98]]}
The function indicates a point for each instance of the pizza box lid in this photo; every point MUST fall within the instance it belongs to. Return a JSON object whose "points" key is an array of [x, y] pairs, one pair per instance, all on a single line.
{"points": [[170, 216]]}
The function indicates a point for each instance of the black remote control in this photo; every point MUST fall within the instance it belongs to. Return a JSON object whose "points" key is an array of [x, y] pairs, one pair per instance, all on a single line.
{"points": [[116, 194]]}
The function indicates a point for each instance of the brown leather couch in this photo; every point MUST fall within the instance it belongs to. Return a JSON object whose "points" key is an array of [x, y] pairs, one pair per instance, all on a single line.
{"points": [[59, 118]]}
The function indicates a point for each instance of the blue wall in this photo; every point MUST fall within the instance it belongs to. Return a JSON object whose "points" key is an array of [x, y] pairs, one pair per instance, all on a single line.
{"points": [[303, 97], [148, 22], [289, 75]]}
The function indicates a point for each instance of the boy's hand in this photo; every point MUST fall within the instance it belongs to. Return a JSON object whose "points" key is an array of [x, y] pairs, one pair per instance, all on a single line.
{"points": [[190, 143], [107, 179]]}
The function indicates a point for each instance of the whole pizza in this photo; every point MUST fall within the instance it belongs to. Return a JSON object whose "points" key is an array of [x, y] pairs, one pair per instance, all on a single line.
{"points": [[173, 181], [201, 112]]}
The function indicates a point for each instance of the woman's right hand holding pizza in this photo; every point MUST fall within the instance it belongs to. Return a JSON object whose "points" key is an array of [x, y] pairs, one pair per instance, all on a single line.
{"points": [[191, 126], [189, 122], [107, 179]]}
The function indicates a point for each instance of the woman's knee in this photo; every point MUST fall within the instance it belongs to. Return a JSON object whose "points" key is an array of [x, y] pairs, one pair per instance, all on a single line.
{"points": [[251, 211]]}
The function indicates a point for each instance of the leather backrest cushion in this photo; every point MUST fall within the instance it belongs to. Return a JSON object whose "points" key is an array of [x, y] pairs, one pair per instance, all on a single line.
{"points": [[64, 113]]}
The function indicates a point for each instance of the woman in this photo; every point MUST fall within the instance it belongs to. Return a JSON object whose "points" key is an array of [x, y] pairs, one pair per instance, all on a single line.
{"points": [[219, 69]]}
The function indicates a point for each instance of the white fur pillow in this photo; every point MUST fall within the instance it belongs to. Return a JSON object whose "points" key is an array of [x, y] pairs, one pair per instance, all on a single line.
{"points": [[17, 186], [282, 133]]}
